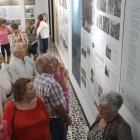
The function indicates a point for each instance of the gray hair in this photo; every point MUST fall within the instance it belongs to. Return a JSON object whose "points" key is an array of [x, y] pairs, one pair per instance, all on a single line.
{"points": [[40, 63], [113, 99], [14, 48]]}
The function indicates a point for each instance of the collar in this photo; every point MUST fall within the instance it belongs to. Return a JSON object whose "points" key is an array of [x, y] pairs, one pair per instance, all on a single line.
{"points": [[47, 75], [18, 60]]}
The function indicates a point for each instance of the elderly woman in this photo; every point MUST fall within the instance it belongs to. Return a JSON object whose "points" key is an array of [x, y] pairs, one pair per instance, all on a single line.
{"points": [[19, 37], [109, 124], [26, 114]]}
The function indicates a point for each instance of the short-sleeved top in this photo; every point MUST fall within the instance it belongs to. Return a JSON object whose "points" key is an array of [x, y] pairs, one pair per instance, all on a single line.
{"points": [[3, 36], [29, 124], [50, 92]]}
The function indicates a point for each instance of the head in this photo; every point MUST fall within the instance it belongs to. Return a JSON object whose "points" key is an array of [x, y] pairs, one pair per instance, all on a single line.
{"points": [[19, 51], [30, 23], [23, 90], [45, 64], [109, 104], [2, 22], [15, 27], [42, 17]]}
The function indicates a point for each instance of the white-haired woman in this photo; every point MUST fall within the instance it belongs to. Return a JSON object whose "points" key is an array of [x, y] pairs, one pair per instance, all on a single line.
{"points": [[109, 124]]}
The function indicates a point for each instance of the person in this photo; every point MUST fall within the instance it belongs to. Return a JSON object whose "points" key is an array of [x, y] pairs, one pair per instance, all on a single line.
{"points": [[109, 123], [33, 44], [52, 95], [20, 66], [4, 41], [26, 114], [19, 37], [43, 31]]}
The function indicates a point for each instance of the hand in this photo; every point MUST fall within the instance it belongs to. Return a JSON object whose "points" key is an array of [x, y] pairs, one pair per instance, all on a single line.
{"points": [[68, 120]]}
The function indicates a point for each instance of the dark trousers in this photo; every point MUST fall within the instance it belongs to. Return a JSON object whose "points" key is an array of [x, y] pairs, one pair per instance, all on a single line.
{"points": [[58, 129], [45, 44], [5, 47]]}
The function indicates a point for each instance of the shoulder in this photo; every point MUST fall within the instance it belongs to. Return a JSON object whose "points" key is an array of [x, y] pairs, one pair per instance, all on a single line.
{"points": [[10, 104]]}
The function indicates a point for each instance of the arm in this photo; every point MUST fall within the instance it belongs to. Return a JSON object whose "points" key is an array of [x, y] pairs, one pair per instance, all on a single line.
{"points": [[58, 102], [41, 26], [124, 132]]}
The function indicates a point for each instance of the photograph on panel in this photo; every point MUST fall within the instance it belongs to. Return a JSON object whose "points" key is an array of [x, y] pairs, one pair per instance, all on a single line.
{"points": [[106, 24], [110, 7], [92, 75], [83, 72], [101, 5], [29, 2], [9, 2], [99, 21], [88, 50], [106, 71], [63, 3], [30, 9], [108, 52], [117, 8], [115, 29], [99, 90], [83, 80], [84, 53], [10, 22], [88, 14], [93, 45]]}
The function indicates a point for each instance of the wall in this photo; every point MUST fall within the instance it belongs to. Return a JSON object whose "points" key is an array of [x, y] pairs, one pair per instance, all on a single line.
{"points": [[106, 32]]}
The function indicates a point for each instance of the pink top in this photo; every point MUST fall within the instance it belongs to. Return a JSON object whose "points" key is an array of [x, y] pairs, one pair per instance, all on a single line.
{"points": [[3, 36]]}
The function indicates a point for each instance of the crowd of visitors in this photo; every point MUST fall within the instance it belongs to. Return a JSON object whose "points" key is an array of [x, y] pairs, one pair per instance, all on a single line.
{"points": [[35, 95]]}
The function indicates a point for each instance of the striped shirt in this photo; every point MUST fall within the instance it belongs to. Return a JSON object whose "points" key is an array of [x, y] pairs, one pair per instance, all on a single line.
{"points": [[50, 92]]}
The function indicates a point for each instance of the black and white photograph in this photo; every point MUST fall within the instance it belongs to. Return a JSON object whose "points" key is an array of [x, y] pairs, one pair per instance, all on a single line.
{"points": [[115, 29], [100, 90], [83, 72], [83, 81], [106, 24], [93, 45], [10, 22], [108, 52], [63, 3], [99, 21], [9, 2], [88, 14], [30, 10], [30, 2], [101, 5], [84, 53], [110, 7], [117, 8], [106, 71], [88, 51], [92, 76]]}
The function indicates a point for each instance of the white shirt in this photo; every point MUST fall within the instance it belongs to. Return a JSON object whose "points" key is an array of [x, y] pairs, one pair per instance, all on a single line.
{"points": [[43, 29], [18, 68]]}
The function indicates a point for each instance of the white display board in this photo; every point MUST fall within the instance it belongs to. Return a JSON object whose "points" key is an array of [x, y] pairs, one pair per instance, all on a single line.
{"points": [[105, 54]]}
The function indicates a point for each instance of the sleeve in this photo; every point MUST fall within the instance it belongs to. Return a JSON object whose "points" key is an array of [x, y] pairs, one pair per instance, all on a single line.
{"points": [[41, 26], [8, 112], [56, 95], [124, 132], [13, 73]]}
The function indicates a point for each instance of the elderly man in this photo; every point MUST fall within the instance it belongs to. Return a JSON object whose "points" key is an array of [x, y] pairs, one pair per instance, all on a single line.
{"points": [[52, 95], [20, 66]]}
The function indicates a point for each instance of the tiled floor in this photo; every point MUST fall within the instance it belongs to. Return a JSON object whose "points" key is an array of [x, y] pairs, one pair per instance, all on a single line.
{"points": [[79, 128]]}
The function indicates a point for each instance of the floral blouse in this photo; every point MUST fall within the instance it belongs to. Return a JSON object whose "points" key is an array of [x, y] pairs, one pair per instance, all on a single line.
{"points": [[20, 37]]}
